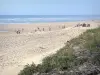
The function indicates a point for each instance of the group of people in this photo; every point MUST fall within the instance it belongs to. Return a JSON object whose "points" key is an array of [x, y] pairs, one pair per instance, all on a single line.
{"points": [[19, 31], [83, 25], [38, 29]]}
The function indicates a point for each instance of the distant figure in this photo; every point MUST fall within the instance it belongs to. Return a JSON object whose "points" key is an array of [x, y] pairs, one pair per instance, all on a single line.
{"points": [[81, 25], [35, 30], [38, 28], [18, 32], [78, 25], [88, 25], [64, 27], [84, 25], [43, 29], [22, 29], [49, 29]]}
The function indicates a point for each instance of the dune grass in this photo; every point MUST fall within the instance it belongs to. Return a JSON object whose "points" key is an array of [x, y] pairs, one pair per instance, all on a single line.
{"points": [[65, 58]]}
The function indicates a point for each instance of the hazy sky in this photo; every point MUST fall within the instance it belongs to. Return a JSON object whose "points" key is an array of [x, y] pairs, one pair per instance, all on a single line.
{"points": [[49, 7]]}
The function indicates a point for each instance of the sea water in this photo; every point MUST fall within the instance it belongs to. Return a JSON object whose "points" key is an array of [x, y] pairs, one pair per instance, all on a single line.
{"points": [[3, 31], [45, 18]]}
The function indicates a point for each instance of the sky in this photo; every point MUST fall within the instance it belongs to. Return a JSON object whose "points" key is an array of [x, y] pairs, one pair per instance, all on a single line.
{"points": [[49, 7]]}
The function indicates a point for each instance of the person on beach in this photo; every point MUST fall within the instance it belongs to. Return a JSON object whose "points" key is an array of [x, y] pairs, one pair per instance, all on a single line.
{"points": [[35, 30], [18, 31], [88, 25], [43, 29], [83, 25], [38, 29], [49, 29], [64, 27]]}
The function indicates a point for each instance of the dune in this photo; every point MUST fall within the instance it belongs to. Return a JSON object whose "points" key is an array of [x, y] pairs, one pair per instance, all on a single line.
{"points": [[17, 50]]}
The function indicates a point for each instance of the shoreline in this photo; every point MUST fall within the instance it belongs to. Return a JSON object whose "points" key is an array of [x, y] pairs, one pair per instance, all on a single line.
{"points": [[53, 22]]}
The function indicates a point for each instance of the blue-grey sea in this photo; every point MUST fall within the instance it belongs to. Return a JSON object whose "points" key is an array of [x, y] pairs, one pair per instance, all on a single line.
{"points": [[5, 19]]}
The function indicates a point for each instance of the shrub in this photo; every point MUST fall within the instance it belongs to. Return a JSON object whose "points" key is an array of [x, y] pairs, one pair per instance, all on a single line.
{"points": [[28, 69]]}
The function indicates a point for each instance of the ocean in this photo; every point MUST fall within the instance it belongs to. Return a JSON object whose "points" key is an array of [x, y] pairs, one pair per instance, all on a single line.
{"points": [[6, 19]]}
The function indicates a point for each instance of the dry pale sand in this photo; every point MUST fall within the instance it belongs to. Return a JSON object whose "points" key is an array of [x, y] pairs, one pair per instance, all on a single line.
{"points": [[16, 50]]}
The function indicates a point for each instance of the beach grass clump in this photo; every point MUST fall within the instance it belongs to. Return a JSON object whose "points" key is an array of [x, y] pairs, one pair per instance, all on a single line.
{"points": [[76, 52], [28, 69]]}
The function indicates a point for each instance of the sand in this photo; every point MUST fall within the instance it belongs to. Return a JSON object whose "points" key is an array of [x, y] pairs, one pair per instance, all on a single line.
{"points": [[16, 50]]}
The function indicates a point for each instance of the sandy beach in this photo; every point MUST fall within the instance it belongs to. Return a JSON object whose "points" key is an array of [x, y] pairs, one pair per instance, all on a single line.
{"points": [[35, 42]]}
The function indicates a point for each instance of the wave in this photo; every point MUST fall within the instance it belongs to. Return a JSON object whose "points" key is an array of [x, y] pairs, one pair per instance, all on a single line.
{"points": [[42, 19]]}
